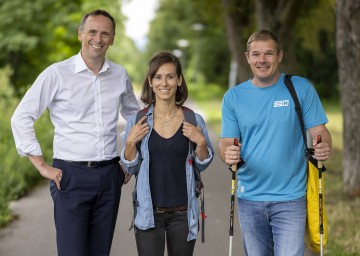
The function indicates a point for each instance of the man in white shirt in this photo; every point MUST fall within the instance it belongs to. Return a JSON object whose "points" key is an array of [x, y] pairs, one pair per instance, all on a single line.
{"points": [[84, 94]]}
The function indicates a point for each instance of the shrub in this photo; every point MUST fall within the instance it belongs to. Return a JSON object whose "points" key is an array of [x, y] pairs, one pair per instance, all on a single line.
{"points": [[17, 174]]}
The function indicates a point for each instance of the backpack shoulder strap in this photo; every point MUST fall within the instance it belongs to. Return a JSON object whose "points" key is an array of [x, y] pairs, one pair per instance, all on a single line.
{"points": [[189, 116], [290, 87], [140, 114]]}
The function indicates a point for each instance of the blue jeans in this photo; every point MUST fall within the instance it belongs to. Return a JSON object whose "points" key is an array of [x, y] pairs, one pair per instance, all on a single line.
{"points": [[273, 228], [171, 227]]}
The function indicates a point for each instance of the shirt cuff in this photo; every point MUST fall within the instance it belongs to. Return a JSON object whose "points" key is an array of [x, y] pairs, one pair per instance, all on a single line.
{"points": [[29, 150]]}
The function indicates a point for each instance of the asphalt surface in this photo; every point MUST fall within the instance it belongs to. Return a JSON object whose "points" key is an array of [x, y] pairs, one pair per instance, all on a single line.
{"points": [[33, 233]]}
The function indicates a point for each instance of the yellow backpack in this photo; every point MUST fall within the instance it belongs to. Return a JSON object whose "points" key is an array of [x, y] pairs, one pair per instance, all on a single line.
{"points": [[316, 221]]}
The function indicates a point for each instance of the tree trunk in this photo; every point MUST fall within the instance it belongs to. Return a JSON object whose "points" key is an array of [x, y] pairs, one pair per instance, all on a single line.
{"points": [[237, 23], [280, 16], [348, 56]]}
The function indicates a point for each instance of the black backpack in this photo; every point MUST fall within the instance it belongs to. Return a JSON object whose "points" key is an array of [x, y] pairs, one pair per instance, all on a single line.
{"points": [[189, 116]]}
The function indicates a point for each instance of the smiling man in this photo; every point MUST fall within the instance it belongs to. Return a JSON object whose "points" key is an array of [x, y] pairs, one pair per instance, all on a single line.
{"points": [[84, 95], [260, 113]]}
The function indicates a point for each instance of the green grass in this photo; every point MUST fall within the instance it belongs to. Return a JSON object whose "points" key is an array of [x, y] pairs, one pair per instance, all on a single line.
{"points": [[342, 211]]}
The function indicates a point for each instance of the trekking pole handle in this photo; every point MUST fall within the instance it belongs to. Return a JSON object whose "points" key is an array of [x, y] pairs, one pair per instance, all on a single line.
{"points": [[318, 140], [234, 166]]}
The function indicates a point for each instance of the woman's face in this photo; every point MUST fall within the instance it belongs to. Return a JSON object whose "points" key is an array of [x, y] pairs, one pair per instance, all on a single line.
{"points": [[165, 82]]}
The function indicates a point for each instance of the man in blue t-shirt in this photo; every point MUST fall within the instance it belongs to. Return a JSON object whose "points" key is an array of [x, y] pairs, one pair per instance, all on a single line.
{"points": [[272, 182]]}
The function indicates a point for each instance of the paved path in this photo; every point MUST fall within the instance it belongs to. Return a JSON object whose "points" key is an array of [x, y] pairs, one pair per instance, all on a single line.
{"points": [[33, 233]]}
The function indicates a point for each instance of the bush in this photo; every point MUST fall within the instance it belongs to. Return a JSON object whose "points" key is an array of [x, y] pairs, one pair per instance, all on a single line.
{"points": [[17, 175]]}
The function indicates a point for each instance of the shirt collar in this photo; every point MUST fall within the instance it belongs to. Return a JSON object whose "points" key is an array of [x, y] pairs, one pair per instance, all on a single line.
{"points": [[80, 64]]}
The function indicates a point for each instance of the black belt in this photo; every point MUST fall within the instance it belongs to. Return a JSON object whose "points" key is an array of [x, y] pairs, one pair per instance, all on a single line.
{"points": [[170, 209], [98, 163]]}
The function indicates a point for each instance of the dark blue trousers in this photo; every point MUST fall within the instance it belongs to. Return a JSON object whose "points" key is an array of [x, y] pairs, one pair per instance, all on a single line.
{"points": [[86, 207]]}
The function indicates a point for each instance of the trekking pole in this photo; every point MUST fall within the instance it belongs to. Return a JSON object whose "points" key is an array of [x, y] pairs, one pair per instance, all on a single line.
{"points": [[321, 228], [233, 169]]}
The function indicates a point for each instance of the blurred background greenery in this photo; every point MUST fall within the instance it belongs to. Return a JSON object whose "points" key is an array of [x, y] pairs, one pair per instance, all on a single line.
{"points": [[38, 33]]}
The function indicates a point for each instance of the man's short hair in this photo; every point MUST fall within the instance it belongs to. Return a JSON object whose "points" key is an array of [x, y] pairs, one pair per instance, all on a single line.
{"points": [[96, 13], [264, 35]]}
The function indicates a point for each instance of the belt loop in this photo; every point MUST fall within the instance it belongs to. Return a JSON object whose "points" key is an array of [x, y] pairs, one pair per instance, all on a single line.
{"points": [[158, 210]]}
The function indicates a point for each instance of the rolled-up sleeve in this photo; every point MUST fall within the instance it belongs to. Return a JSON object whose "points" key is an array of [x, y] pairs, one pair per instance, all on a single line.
{"points": [[129, 104], [202, 165], [30, 108], [132, 165]]}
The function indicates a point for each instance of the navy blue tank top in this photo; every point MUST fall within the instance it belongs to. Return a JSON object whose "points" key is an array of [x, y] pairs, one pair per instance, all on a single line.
{"points": [[167, 169]]}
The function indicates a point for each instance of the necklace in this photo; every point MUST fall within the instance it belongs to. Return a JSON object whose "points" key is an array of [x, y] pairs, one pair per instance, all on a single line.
{"points": [[166, 122]]}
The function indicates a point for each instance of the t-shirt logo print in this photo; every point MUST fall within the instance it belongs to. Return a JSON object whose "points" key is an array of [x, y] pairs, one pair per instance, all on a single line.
{"points": [[281, 103]]}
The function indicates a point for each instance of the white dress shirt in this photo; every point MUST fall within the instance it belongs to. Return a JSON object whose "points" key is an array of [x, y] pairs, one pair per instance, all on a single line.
{"points": [[84, 109]]}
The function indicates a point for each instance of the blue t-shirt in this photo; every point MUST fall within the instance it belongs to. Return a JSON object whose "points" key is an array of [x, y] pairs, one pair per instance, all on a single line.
{"points": [[266, 122]]}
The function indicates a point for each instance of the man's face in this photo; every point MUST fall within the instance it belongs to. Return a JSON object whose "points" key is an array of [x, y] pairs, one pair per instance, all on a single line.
{"points": [[264, 61], [96, 37]]}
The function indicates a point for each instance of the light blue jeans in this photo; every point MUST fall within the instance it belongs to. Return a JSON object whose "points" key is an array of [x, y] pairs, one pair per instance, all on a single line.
{"points": [[273, 228]]}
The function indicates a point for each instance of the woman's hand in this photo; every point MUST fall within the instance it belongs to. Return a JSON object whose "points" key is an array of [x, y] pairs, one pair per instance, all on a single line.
{"points": [[136, 134]]}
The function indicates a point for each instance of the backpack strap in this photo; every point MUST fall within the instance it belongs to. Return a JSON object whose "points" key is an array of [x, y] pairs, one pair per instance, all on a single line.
{"points": [[189, 116], [140, 114], [290, 87]]}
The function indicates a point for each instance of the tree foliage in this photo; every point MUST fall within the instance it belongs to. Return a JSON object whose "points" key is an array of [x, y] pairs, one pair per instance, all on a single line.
{"points": [[306, 29], [38, 33], [207, 50], [31, 31], [316, 49]]}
